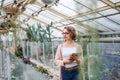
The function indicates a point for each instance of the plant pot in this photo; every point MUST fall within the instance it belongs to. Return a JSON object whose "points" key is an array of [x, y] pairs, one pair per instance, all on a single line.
{"points": [[11, 10]]}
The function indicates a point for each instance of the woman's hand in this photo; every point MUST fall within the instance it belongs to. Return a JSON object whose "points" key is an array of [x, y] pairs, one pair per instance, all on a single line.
{"points": [[75, 57], [67, 61]]}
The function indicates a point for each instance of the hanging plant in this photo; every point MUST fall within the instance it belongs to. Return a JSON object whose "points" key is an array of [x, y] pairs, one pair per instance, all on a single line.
{"points": [[11, 10], [7, 25]]}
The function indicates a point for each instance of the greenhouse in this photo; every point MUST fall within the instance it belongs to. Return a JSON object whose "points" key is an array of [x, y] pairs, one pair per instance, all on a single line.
{"points": [[31, 32]]}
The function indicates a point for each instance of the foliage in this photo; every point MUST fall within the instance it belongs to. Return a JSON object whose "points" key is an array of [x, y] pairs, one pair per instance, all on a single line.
{"points": [[94, 60], [39, 34], [91, 55], [31, 33], [41, 69], [84, 43], [7, 25], [48, 50], [78, 37], [49, 32], [18, 52]]}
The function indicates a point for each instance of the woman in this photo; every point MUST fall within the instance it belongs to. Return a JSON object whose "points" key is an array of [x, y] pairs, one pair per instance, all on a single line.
{"points": [[67, 56]]}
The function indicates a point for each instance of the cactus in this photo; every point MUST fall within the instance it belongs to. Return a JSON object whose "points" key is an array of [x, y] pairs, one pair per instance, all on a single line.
{"points": [[49, 31], [31, 33], [43, 34]]}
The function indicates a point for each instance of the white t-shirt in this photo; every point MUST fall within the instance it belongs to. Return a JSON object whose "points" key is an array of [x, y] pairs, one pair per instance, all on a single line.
{"points": [[66, 52]]}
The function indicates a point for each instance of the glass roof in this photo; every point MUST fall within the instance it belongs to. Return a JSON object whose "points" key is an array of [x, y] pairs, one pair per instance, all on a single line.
{"points": [[102, 15], [114, 1]]}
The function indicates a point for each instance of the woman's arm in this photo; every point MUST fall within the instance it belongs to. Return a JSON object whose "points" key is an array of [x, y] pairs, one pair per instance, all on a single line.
{"points": [[58, 56]]}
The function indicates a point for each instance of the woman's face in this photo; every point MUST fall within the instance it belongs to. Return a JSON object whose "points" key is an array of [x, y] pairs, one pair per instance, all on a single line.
{"points": [[66, 35]]}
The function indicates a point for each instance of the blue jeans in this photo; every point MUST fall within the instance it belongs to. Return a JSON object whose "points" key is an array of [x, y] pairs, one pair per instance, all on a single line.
{"points": [[70, 74]]}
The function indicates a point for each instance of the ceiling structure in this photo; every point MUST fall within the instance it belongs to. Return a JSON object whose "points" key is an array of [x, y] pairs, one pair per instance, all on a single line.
{"points": [[84, 15]]}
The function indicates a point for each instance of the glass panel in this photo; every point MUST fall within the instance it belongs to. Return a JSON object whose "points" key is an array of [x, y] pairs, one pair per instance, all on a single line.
{"points": [[57, 25], [33, 7], [28, 11], [23, 16], [96, 25], [100, 4], [13, 68], [92, 16], [81, 18], [91, 4], [49, 16], [57, 33], [108, 23], [43, 18], [68, 22], [32, 22], [56, 16], [115, 18], [72, 4], [114, 1], [63, 10], [109, 11], [42, 53], [80, 28], [103, 61]]}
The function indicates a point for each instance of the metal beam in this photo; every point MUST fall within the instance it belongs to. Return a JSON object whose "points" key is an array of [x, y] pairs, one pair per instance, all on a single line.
{"points": [[34, 18], [44, 22], [40, 21], [85, 13], [66, 17], [112, 5], [117, 4], [100, 17], [47, 23], [89, 12]]}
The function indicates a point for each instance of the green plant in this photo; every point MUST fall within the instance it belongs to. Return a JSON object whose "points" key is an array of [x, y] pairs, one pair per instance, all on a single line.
{"points": [[49, 32], [41, 69], [43, 33], [91, 37], [18, 52], [31, 33], [5, 25], [78, 37]]}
